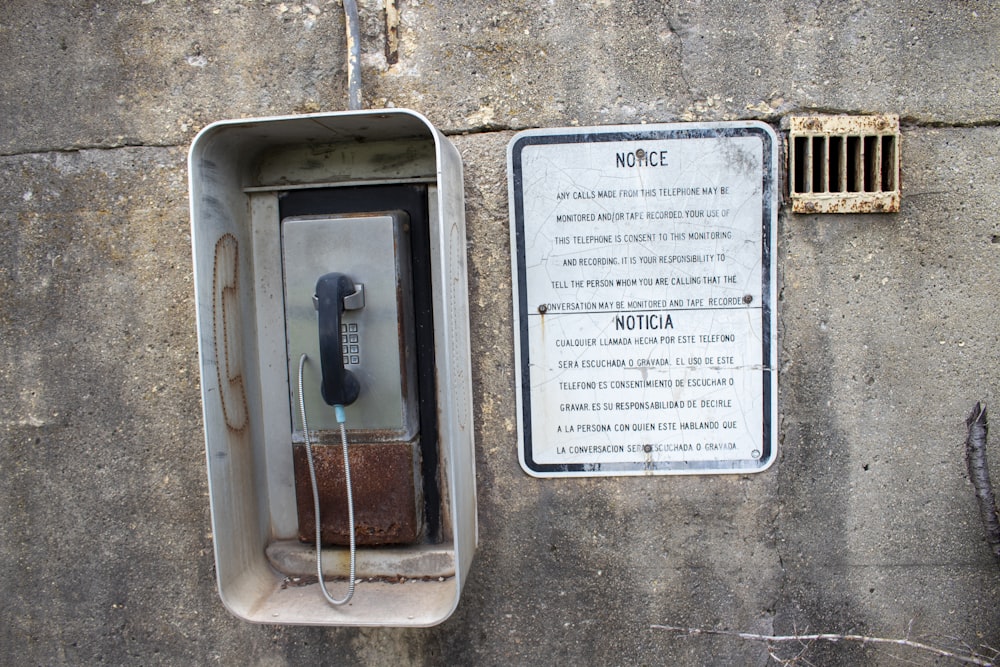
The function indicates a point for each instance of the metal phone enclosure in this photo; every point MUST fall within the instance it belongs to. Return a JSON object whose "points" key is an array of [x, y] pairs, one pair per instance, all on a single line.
{"points": [[278, 203]]}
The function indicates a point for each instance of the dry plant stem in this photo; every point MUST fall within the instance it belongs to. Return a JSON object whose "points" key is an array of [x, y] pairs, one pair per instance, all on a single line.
{"points": [[833, 638], [979, 474]]}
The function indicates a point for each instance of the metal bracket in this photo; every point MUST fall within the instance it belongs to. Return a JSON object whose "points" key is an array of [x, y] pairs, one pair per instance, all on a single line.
{"points": [[355, 301]]}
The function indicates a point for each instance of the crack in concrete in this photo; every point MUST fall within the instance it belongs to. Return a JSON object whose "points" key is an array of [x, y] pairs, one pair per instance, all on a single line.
{"points": [[92, 147], [908, 122]]}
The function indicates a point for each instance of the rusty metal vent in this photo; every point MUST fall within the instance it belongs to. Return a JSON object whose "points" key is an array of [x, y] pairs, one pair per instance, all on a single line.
{"points": [[844, 164]]}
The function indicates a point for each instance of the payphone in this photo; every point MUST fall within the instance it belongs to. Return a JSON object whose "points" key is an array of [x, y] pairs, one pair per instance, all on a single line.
{"points": [[331, 295]]}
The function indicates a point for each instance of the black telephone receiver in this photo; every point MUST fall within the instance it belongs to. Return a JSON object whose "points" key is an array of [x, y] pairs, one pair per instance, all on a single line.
{"points": [[339, 386]]}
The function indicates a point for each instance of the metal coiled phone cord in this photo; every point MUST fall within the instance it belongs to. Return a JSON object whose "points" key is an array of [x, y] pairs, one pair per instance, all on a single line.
{"points": [[315, 491]]}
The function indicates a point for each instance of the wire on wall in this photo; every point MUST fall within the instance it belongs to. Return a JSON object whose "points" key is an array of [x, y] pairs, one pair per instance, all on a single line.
{"points": [[353, 55]]}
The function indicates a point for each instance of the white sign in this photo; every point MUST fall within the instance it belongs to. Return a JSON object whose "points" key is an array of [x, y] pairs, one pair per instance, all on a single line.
{"points": [[644, 292]]}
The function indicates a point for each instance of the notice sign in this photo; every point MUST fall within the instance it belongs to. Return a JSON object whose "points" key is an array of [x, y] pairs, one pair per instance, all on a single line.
{"points": [[644, 297]]}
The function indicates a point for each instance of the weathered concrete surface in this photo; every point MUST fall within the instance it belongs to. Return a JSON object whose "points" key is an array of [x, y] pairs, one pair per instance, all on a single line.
{"points": [[888, 335], [154, 71]]}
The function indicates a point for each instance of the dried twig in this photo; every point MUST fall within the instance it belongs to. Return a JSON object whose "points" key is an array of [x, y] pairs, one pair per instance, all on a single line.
{"points": [[979, 474], [833, 638]]}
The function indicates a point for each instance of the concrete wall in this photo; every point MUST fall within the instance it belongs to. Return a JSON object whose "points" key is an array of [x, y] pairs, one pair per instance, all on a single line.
{"points": [[888, 331]]}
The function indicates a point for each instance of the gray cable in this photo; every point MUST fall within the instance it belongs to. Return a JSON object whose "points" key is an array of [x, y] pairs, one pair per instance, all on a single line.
{"points": [[315, 492], [353, 55]]}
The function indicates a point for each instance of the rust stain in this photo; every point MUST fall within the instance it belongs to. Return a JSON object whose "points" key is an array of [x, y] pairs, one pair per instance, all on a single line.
{"points": [[844, 124], [311, 579], [386, 497], [867, 202], [226, 330], [391, 31]]}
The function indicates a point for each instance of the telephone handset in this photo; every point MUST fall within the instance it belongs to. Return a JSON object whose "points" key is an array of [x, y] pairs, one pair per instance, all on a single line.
{"points": [[333, 290], [340, 387]]}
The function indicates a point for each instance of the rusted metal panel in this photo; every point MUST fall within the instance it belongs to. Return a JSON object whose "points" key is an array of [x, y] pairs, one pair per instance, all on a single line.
{"points": [[849, 203], [844, 164], [387, 499], [853, 125]]}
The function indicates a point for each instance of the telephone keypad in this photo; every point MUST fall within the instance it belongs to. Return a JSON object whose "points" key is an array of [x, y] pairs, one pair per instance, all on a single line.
{"points": [[351, 343]]}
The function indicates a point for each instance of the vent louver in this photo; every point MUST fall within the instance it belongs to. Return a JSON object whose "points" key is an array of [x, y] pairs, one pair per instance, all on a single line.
{"points": [[844, 164]]}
